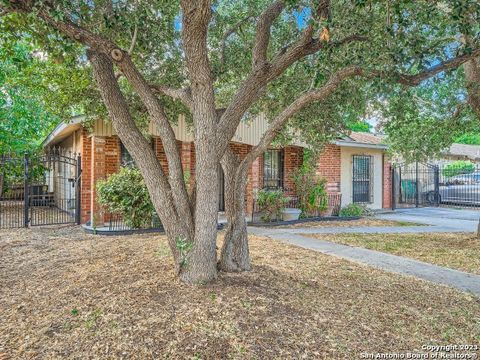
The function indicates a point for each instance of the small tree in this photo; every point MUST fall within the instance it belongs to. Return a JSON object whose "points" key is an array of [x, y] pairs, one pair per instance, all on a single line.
{"points": [[125, 193], [310, 189], [459, 167]]}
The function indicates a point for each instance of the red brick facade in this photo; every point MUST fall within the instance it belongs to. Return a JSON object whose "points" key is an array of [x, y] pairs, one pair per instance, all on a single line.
{"points": [[329, 167], [292, 160], [101, 158], [387, 183], [86, 153]]}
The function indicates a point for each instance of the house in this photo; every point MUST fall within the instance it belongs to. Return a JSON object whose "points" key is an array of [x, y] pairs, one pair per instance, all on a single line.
{"points": [[460, 152], [355, 166]]}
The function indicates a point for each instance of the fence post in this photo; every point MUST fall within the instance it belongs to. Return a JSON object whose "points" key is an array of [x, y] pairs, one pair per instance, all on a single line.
{"points": [[416, 185], [78, 190], [26, 191], [437, 185], [392, 169]]}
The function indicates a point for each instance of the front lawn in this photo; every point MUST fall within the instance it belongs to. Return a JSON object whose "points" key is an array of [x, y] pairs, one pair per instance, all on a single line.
{"points": [[66, 295], [363, 222], [454, 250]]}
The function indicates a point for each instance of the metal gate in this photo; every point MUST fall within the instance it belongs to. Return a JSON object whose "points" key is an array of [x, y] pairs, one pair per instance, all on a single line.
{"points": [[40, 189], [415, 184], [446, 185]]}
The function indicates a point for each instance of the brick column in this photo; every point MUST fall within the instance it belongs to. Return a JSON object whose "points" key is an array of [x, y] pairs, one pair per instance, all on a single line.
{"points": [[86, 145], [387, 183], [98, 172]]}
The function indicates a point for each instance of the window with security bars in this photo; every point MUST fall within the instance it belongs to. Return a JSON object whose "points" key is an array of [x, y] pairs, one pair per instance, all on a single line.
{"points": [[362, 179], [273, 169]]}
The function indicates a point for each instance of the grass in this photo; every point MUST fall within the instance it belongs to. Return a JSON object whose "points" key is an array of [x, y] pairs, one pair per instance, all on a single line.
{"points": [[367, 221], [459, 251], [68, 295]]}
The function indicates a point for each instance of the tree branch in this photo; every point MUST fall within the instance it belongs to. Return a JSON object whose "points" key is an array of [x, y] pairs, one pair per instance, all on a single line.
{"points": [[128, 132], [225, 37], [134, 40], [184, 94], [98, 44], [307, 98], [414, 80], [254, 85], [262, 36]]}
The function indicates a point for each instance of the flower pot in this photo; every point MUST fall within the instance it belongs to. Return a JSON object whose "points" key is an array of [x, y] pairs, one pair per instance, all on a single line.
{"points": [[289, 214]]}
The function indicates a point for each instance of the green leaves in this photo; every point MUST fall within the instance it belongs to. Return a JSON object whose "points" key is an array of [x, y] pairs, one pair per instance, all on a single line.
{"points": [[126, 194], [459, 167]]}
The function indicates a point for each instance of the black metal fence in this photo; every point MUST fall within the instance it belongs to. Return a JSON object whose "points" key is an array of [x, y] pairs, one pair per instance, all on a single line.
{"points": [[334, 202], [116, 222], [39, 189], [455, 184]]}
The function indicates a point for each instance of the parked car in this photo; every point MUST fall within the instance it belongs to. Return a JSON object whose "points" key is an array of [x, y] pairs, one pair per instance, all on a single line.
{"points": [[465, 194], [465, 179]]}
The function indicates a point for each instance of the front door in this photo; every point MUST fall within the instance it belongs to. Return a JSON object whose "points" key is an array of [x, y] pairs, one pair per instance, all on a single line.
{"points": [[362, 181]]}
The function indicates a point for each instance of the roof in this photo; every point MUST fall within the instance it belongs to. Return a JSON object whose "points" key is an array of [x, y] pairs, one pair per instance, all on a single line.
{"points": [[247, 133], [63, 130], [363, 139], [469, 151]]}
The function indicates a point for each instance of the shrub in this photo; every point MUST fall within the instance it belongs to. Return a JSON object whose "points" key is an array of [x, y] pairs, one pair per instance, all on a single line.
{"points": [[355, 210], [311, 191], [271, 203], [125, 193], [459, 167]]}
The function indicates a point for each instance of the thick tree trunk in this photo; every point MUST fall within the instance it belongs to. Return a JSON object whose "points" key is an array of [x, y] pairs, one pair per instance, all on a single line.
{"points": [[200, 264], [235, 255]]}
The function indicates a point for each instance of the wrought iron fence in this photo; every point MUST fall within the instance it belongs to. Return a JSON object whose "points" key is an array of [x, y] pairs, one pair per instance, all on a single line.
{"points": [[39, 189], [445, 185], [334, 201], [116, 222]]}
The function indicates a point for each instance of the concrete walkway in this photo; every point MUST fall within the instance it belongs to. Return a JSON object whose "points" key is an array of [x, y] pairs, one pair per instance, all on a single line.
{"points": [[440, 220]]}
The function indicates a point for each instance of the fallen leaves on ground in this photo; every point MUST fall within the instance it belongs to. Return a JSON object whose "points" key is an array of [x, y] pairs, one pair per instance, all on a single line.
{"points": [[69, 295]]}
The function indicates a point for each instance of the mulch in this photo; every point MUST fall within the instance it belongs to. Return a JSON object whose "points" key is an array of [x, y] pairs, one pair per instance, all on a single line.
{"points": [[69, 295]]}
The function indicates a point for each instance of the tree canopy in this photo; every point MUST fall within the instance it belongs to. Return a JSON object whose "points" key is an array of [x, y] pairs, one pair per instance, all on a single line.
{"points": [[312, 67]]}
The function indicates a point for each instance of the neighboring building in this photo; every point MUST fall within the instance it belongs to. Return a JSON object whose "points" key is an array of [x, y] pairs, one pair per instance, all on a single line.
{"points": [[460, 152], [355, 166]]}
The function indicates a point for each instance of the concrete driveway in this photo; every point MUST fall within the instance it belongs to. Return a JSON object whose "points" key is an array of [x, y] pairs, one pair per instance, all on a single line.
{"points": [[444, 219]]}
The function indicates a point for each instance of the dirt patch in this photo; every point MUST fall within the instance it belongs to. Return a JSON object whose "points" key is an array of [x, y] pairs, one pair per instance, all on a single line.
{"points": [[352, 223], [68, 295], [459, 251]]}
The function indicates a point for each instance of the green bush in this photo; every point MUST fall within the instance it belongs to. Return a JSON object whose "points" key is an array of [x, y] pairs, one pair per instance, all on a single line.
{"points": [[271, 203], [311, 190], [459, 167], [355, 210], [125, 193]]}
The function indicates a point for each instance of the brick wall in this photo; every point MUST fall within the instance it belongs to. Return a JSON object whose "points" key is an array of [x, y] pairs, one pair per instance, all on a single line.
{"points": [[329, 167], [86, 153], [242, 150], [160, 153], [292, 160], [387, 183], [100, 158]]}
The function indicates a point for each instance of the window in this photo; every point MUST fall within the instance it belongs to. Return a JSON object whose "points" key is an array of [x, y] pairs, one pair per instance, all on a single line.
{"points": [[273, 169], [126, 159], [362, 179]]}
